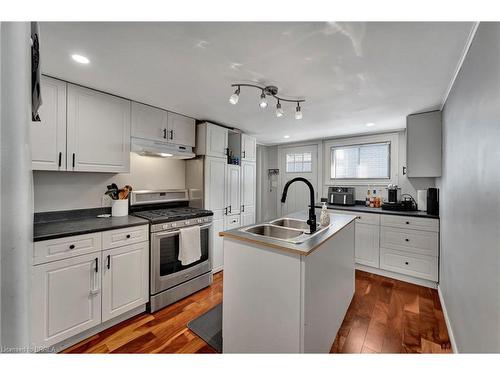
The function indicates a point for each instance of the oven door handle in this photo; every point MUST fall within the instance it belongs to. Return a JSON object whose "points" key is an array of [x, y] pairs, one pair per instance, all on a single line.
{"points": [[174, 232]]}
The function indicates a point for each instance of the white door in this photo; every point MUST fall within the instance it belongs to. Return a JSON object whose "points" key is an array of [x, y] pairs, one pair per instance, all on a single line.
{"points": [[125, 280], [66, 298], [298, 161], [233, 189], [248, 189], [48, 136], [149, 122], [98, 131], [366, 249], [248, 148], [182, 129], [216, 141], [217, 245]]}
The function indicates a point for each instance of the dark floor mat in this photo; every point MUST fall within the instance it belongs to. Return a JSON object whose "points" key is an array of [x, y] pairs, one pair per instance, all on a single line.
{"points": [[209, 327]]}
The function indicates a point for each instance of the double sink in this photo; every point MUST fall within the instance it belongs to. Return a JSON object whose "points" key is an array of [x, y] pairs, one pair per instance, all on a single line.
{"points": [[285, 229]]}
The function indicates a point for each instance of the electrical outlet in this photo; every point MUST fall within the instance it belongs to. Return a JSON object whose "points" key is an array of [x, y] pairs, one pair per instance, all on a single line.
{"points": [[106, 201]]}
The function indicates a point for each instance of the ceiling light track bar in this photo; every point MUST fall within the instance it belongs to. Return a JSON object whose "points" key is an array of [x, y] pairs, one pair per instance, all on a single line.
{"points": [[269, 90]]}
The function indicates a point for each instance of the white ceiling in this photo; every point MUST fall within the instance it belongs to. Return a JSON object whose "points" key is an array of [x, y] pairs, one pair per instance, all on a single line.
{"points": [[350, 73]]}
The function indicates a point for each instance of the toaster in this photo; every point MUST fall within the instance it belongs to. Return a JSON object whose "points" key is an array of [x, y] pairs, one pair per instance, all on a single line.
{"points": [[341, 195]]}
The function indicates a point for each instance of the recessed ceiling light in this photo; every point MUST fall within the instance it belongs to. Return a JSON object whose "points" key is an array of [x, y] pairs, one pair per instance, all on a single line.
{"points": [[286, 136], [80, 59], [370, 124]]}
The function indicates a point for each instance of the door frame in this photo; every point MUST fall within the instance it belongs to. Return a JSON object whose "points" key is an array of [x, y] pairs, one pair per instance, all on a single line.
{"points": [[319, 150]]}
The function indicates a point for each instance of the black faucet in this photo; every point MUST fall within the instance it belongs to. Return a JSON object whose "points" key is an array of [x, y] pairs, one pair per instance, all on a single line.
{"points": [[312, 215]]}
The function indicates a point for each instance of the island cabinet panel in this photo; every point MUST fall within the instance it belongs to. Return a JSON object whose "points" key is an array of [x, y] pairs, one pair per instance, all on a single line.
{"points": [[262, 292], [328, 290]]}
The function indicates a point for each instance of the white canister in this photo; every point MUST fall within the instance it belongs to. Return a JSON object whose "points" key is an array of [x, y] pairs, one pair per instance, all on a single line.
{"points": [[119, 207], [422, 200]]}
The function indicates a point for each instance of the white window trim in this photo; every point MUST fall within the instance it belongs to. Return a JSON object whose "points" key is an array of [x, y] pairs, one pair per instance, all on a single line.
{"points": [[393, 138]]}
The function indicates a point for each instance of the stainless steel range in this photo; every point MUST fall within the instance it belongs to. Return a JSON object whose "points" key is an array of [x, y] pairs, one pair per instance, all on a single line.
{"points": [[168, 212]]}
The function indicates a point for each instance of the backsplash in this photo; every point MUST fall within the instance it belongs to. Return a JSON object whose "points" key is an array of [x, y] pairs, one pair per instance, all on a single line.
{"points": [[56, 191]]}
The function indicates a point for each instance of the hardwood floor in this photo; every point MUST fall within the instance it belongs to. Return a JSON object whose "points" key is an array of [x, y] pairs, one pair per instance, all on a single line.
{"points": [[391, 316], [385, 316]]}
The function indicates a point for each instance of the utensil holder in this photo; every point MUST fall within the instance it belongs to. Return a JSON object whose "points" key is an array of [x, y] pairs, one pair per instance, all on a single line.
{"points": [[119, 207]]}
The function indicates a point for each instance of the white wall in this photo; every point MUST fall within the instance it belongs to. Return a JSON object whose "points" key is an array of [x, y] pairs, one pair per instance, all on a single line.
{"points": [[469, 198], [16, 198], [54, 191]]}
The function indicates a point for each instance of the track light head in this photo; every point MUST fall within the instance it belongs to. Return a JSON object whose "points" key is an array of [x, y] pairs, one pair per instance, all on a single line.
{"points": [[279, 111], [298, 112], [263, 102], [235, 97]]}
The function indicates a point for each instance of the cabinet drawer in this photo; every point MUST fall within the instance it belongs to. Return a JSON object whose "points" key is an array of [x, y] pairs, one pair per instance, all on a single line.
{"points": [[124, 236], [414, 241], [410, 222], [232, 222], [66, 247], [361, 217], [422, 266]]}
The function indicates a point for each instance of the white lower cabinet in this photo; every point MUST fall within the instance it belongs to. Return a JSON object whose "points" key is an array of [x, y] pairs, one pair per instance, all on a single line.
{"points": [[124, 279], [66, 298], [421, 266], [217, 245], [366, 244], [74, 292], [247, 215]]}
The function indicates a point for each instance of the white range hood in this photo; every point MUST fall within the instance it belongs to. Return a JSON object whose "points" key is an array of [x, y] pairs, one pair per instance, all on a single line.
{"points": [[148, 147]]}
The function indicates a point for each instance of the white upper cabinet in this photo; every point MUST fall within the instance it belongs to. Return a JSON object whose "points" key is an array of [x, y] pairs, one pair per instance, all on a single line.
{"points": [[182, 129], [233, 189], [98, 131], [248, 148], [215, 185], [212, 140], [48, 136], [423, 144], [149, 122]]}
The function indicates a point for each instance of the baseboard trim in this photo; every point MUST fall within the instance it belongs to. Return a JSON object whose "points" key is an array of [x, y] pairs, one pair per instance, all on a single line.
{"points": [[397, 276], [447, 321]]}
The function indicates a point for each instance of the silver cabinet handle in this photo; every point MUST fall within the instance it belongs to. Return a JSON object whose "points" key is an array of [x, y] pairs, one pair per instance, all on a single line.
{"points": [[242, 208]]}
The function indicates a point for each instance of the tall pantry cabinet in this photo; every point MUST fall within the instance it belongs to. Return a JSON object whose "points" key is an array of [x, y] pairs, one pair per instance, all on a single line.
{"points": [[229, 189]]}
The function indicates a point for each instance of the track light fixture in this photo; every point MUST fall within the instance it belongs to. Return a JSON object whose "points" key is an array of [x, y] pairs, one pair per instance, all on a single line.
{"points": [[268, 91]]}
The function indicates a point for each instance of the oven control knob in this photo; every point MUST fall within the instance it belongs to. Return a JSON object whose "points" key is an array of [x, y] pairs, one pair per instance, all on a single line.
{"points": [[174, 224], [186, 222], [200, 220]]}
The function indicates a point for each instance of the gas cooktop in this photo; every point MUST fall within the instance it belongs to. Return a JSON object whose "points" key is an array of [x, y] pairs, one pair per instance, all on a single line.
{"points": [[165, 215]]}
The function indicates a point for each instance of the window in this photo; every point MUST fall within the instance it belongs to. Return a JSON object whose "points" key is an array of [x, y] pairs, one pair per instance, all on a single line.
{"points": [[365, 161], [298, 162]]}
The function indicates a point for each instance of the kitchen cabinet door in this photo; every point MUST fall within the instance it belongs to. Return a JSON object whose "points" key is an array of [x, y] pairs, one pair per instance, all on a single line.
{"points": [[216, 141], [182, 129], [48, 136], [149, 122], [125, 280], [66, 298], [98, 131], [248, 189], [233, 189], [215, 186], [366, 244], [248, 148], [217, 245]]}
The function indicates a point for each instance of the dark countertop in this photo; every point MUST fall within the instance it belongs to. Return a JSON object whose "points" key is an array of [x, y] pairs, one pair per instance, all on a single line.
{"points": [[48, 226], [372, 210]]}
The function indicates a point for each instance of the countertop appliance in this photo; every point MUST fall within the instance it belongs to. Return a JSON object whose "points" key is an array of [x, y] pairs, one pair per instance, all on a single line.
{"points": [[406, 204], [341, 195], [168, 211], [393, 193], [433, 201]]}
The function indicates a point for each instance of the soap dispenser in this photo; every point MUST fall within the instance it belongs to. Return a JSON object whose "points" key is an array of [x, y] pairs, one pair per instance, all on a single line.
{"points": [[324, 219]]}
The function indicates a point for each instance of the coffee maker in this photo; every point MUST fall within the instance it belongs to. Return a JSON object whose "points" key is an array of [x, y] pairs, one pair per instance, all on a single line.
{"points": [[393, 193]]}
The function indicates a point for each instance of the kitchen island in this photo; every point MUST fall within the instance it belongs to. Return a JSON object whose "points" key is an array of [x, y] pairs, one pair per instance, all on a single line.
{"points": [[285, 297]]}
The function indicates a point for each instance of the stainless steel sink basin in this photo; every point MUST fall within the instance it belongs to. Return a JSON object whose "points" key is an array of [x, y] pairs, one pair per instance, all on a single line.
{"points": [[274, 231], [284, 229], [293, 223]]}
